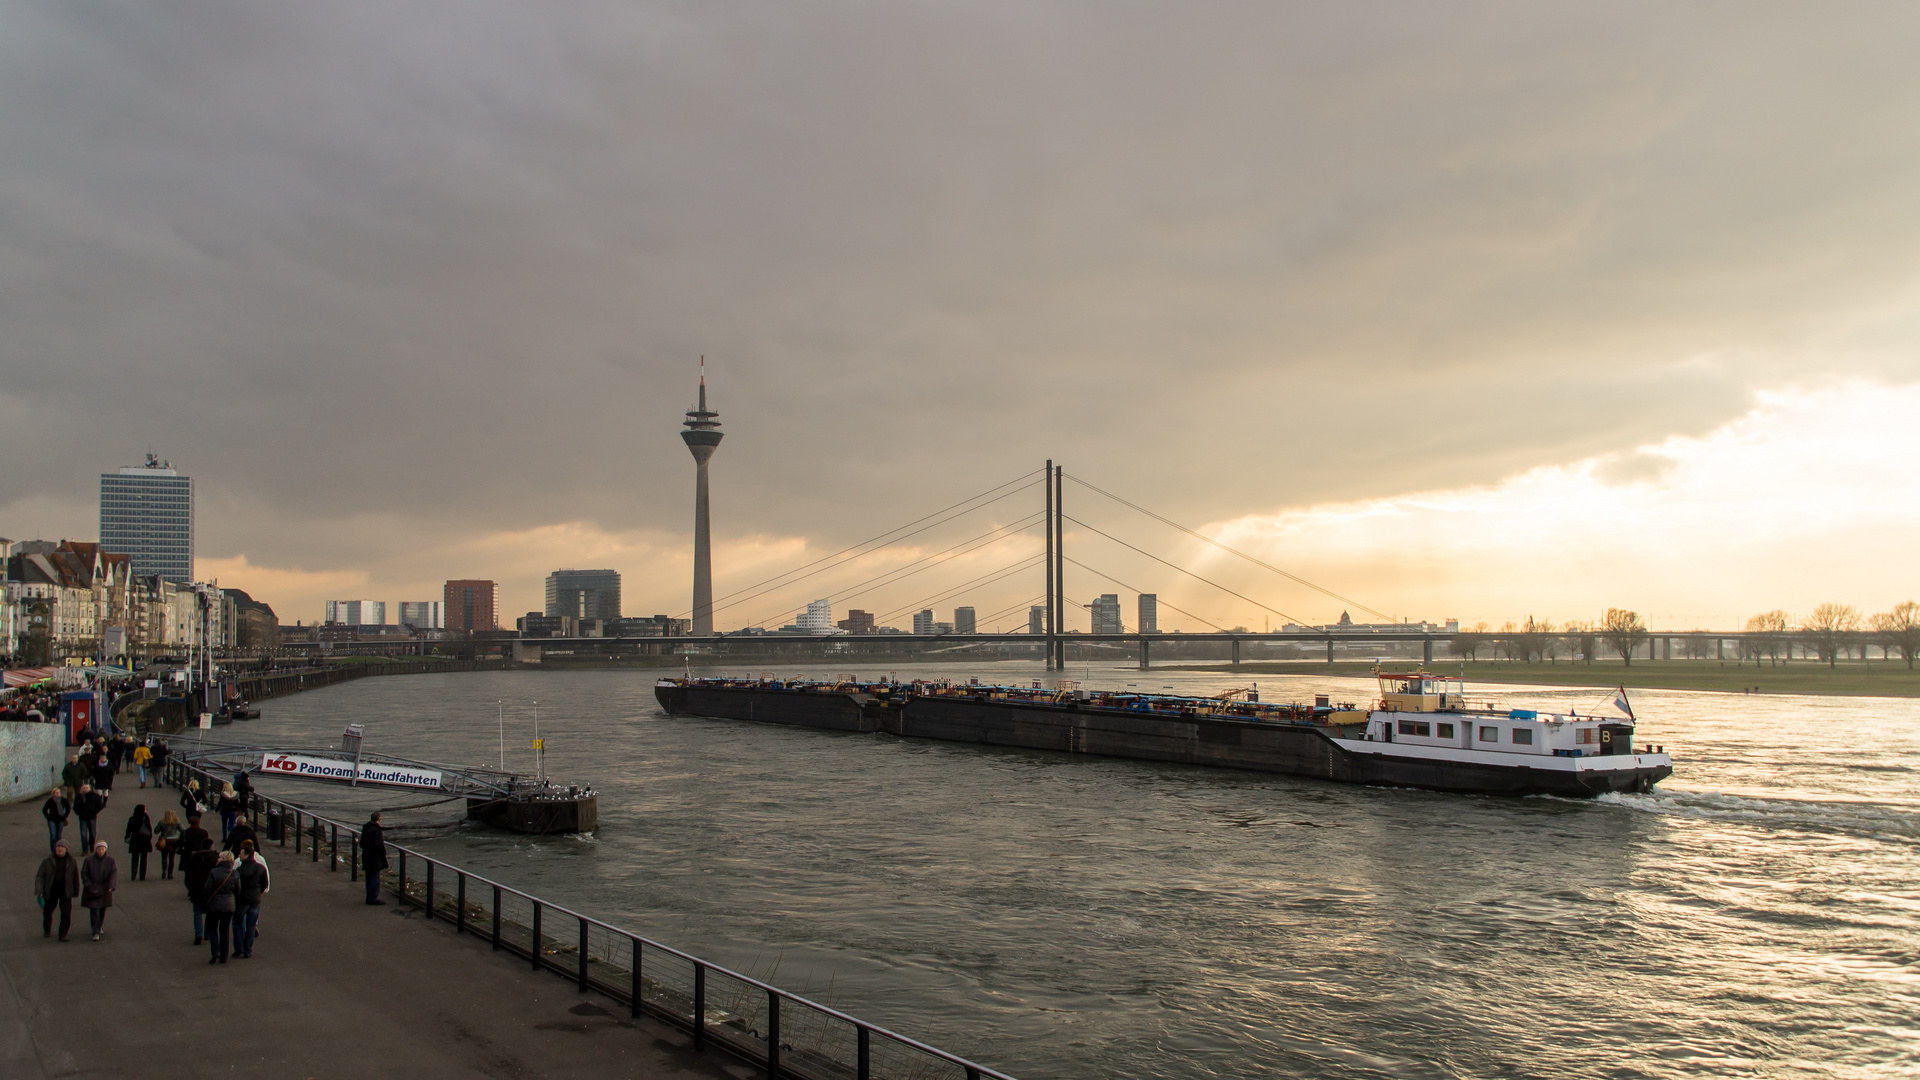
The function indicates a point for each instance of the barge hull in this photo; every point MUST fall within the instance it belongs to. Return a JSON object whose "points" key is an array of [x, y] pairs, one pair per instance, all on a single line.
{"points": [[1286, 749]]}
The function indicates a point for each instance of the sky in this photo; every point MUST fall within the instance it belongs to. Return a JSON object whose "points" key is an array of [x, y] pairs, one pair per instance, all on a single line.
{"points": [[1463, 310]]}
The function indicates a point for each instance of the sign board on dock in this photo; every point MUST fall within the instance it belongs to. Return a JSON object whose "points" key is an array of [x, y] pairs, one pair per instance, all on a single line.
{"points": [[314, 768], [206, 721]]}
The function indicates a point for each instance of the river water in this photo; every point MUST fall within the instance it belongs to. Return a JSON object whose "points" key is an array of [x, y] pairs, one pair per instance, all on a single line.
{"points": [[1053, 916]]}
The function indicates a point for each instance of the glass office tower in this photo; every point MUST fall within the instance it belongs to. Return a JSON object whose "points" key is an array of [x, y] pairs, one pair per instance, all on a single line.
{"points": [[146, 513]]}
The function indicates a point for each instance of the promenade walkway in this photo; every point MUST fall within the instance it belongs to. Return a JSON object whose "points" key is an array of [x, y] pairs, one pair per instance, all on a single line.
{"points": [[335, 989]]}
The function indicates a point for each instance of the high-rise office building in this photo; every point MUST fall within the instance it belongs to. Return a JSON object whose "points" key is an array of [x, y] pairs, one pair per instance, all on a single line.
{"points": [[857, 622], [963, 622], [146, 513], [818, 618], [357, 612], [1037, 619], [1149, 613], [472, 605], [702, 438], [584, 594], [1106, 614], [424, 614], [923, 621]]}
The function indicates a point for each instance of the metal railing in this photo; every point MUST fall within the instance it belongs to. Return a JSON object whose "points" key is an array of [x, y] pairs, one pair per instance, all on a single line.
{"points": [[784, 1033]]}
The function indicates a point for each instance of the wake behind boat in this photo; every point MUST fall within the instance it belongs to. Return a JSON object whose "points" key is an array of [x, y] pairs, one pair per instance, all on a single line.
{"points": [[1421, 733]]}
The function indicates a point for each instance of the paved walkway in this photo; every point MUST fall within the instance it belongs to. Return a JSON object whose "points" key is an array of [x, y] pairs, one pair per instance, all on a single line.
{"points": [[334, 989]]}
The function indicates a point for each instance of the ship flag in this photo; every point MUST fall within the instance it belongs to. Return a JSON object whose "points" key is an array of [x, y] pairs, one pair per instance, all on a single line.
{"points": [[1620, 702]]}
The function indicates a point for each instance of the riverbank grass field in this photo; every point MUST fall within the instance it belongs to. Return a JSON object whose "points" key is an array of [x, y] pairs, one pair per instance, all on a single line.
{"points": [[1857, 678]]}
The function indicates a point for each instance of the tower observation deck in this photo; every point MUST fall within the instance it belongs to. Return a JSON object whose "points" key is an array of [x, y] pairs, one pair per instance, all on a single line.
{"points": [[702, 435]]}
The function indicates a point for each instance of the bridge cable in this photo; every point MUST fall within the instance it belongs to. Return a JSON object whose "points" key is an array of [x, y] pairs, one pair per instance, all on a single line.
{"points": [[1131, 588], [947, 594], [861, 588], [1230, 550], [890, 532], [1189, 573]]}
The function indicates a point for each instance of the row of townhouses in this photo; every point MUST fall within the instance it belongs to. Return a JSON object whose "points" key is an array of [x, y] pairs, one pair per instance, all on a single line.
{"points": [[74, 600]]}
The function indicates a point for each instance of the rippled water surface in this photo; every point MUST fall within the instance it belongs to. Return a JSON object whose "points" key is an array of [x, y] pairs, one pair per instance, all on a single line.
{"points": [[1058, 916]]}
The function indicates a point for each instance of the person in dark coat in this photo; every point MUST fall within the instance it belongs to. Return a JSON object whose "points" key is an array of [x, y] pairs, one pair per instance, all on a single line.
{"points": [[194, 868], [241, 833], [253, 886], [56, 810], [190, 803], [161, 752], [221, 891], [373, 855], [139, 843], [55, 886], [98, 878], [166, 840], [73, 775], [103, 772], [87, 806]]}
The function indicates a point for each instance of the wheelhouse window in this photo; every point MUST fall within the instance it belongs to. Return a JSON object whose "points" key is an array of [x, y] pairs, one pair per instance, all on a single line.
{"points": [[1414, 727], [1584, 735], [1445, 730], [1489, 733], [1523, 736]]}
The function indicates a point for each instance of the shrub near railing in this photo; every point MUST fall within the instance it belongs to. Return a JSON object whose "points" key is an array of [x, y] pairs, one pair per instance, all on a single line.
{"points": [[788, 1035]]}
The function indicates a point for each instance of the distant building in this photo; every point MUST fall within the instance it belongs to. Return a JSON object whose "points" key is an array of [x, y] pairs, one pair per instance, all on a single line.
{"points": [[1149, 613], [472, 606], [584, 594], [648, 626], [940, 628], [1106, 614], [146, 512], [424, 614], [963, 622], [818, 618], [256, 627], [1037, 619], [535, 625], [357, 612], [857, 622], [923, 621]]}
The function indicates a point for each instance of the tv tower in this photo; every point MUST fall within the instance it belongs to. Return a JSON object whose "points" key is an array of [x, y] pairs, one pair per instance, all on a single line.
{"points": [[702, 435]]}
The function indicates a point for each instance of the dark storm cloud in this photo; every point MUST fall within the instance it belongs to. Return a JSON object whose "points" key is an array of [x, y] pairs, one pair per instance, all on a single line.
{"points": [[379, 273]]}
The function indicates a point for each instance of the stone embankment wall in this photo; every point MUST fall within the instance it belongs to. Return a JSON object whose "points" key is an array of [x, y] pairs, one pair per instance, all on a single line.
{"points": [[258, 687], [30, 759]]}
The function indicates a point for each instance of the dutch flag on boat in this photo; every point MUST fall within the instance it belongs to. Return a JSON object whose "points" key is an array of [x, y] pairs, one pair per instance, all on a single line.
{"points": [[1620, 702]]}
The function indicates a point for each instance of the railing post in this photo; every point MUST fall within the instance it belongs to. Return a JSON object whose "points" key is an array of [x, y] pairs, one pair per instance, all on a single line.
{"points": [[429, 904], [333, 852], [402, 871], [536, 936], [296, 832], [773, 1035], [864, 1065], [314, 840], [583, 953], [460, 904], [496, 918], [637, 957], [699, 1004], [353, 856]]}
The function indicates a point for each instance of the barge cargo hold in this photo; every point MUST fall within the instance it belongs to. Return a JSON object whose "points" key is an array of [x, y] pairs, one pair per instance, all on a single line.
{"points": [[1420, 734]]}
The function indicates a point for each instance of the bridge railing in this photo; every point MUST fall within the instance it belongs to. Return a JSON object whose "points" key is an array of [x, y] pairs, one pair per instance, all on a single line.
{"points": [[770, 1028]]}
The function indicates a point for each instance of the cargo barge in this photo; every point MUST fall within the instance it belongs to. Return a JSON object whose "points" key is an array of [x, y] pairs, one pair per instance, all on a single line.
{"points": [[1421, 733]]}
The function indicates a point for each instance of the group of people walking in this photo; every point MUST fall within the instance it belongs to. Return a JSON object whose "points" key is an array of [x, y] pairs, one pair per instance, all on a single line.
{"points": [[226, 881]]}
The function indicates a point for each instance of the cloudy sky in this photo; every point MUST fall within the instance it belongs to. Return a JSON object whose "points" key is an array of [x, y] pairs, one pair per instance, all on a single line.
{"points": [[1468, 310]]}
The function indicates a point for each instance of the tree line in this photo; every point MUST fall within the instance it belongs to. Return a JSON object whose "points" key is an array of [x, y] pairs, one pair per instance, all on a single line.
{"points": [[1830, 631]]}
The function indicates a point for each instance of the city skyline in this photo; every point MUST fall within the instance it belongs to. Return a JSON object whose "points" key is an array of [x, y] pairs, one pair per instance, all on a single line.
{"points": [[1524, 311]]}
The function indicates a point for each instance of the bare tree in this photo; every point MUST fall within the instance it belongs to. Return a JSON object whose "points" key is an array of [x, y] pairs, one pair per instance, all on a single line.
{"points": [[1468, 643], [1828, 626], [1582, 639], [1623, 629], [1900, 629], [1773, 626], [1506, 642]]}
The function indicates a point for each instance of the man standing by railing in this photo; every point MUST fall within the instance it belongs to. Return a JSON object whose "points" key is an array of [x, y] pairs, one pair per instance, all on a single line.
{"points": [[373, 855]]}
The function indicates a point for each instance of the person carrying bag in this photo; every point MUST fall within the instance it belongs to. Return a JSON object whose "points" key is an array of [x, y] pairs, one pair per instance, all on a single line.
{"points": [[222, 892]]}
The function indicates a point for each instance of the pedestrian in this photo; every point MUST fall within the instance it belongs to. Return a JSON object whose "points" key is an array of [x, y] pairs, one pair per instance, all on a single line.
{"points": [[161, 752], [253, 886], [229, 807], [73, 775], [142, 757], [242, 833], [139, 841], [166, 840], [243, 787], [115, 752], [56, 810], [98, 878], [103, 771], [87, 806], [195, 865], [190, 799], [221, 891], [55, 886], [373, 855]]}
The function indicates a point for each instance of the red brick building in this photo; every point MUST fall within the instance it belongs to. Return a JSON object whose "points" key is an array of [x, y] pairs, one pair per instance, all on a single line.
{"points": [[472, 606]]}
